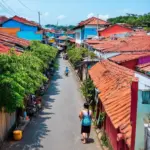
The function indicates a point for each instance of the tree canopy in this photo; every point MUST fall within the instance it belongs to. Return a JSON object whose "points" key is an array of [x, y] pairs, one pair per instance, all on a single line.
{"points": [[132, 19], [23, 75]]}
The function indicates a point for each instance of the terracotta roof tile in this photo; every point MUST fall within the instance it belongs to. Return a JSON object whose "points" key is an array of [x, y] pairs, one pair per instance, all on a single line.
{"points": [[128, 44], [25, 21], [5, 50], [114, 83], [2, 19], [144, 67], [128, 56], [9, 39], [92, 21]]}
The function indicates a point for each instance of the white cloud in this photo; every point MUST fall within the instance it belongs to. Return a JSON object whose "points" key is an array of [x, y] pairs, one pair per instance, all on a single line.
{"points": [[90, 15], [104, 17], [61, 17]]}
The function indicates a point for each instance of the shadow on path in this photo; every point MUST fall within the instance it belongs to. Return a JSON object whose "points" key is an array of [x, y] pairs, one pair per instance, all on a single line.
{"points": [[37, 128]]}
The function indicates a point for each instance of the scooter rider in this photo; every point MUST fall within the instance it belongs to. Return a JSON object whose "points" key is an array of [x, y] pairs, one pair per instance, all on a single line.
{"points": [[67, 71]]}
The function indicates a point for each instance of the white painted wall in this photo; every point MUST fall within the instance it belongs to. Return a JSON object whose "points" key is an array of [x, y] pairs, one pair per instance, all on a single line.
{"points": [[90, 26], [105, 55], [144, 81], [78, 40]]}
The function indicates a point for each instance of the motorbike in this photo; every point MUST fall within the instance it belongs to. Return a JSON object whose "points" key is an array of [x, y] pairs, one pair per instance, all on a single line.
{"points": [[66, 73], [32, 110]]}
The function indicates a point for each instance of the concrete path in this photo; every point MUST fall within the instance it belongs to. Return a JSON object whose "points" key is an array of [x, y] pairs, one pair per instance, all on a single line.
{"points": [[58, 126]]}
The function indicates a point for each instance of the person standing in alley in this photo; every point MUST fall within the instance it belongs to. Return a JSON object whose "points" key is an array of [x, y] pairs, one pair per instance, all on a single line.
{"points": [[86, 121]]}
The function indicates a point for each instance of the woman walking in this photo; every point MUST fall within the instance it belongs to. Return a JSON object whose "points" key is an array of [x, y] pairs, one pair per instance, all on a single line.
{"points": [[86, 121]]}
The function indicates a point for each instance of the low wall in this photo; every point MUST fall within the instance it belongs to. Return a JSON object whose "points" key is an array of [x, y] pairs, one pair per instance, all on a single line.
{"points": [[6, 123]]}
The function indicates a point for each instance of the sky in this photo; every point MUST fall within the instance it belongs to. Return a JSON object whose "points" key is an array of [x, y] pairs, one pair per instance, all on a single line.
{"points": [[71, 12]]}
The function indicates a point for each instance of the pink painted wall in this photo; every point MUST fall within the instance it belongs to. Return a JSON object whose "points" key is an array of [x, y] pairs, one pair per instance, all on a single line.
{"points": [[144, 60]]}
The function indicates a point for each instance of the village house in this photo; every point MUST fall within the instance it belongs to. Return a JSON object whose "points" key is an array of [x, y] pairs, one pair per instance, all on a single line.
{"points": [[7, 41], [70, 33], [118, 93], [11, 31], [12, 41], [27, 28], [141, 64], [88, 29], [108, 48], [131, 59], [114, 30], [2, 19]]}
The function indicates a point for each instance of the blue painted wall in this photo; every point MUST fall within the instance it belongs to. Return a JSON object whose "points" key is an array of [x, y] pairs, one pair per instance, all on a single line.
{"points": [[16, 24], [90, 32], [29, 35], [142, 111], [50, 34]]}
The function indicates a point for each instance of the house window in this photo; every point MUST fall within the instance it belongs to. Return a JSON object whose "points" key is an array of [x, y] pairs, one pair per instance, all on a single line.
{"points": [[145, 97]]}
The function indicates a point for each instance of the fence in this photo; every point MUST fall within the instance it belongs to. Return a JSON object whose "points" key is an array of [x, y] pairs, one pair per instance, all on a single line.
{"points": [[6, 123]]}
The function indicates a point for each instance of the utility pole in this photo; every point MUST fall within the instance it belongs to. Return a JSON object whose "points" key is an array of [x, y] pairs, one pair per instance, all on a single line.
{"points": [[39, 14]]}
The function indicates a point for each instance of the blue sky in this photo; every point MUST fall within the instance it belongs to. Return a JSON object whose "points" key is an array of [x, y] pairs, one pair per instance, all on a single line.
{"points": [[72, 11]]}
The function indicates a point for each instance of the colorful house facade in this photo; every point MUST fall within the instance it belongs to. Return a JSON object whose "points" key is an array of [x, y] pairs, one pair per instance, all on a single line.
{"points": [[27, 28], [88, 28], [22, 23], [117, 98], [114, 29], [70, 34]]}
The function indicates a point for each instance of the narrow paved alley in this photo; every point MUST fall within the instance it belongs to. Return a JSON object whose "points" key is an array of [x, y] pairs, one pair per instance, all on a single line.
{"points": [[58, 125]]}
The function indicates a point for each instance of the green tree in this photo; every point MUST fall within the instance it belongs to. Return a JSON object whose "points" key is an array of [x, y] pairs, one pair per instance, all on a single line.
{"points": [[22, 75]]}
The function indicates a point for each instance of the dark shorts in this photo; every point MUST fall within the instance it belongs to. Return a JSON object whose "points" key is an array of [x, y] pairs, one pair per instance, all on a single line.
{"points": [[85, 129]]}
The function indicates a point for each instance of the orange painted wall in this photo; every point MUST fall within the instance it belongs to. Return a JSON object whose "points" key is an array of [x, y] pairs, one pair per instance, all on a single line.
{"points": [[11, 31]]}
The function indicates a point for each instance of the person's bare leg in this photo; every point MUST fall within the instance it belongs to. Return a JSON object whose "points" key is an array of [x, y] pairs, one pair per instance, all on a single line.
{"points": [[84, 138]]}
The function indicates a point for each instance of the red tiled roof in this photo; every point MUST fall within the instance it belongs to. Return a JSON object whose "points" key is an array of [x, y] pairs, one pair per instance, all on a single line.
{"points": [[72, 40], [7, 39], [70, 32], [92, 41], [23, 20], [114, 83], [128, 56], [48, 30], [92, 21], [3, 19], [139, 33], [144, 67], [5, 50], [128, 44]]}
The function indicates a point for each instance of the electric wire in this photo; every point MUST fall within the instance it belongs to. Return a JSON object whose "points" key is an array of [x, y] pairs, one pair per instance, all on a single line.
{"points": [[7, 6], [24, 5]]}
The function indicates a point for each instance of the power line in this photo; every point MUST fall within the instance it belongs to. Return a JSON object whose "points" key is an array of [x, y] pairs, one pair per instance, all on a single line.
{"points": [[24, 5], [5, 8], [8, 7]]}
